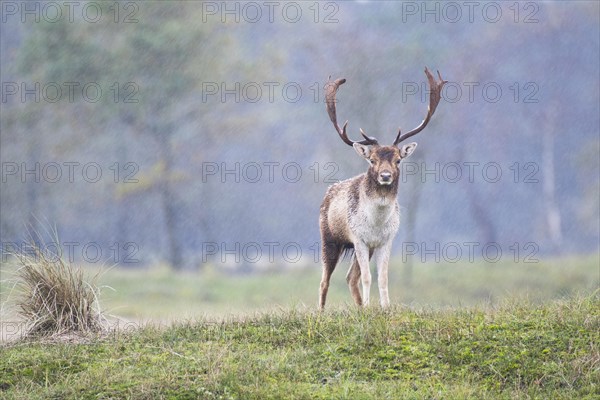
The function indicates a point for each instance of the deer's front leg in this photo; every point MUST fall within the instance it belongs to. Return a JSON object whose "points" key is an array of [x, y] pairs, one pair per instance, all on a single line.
{"points": [[361, 252], [382, 258]]}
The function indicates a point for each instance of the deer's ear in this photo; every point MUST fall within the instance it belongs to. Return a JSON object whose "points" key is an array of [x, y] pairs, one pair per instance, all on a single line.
{"points": [[362, 150], [407, 149]]}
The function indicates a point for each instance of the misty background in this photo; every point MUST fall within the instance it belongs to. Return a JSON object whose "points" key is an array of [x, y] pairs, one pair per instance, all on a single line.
{"points": [[190, 133]]}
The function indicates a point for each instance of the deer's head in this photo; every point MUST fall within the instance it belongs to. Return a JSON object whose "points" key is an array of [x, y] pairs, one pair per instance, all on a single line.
{"points": [[384, 161]]}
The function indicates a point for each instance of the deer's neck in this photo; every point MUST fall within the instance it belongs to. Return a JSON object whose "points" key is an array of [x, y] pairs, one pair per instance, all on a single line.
{"points": [[376, 217]]}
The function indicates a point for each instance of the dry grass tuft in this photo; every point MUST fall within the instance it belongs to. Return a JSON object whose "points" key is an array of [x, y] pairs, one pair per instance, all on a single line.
{"points": [[53, 297]]}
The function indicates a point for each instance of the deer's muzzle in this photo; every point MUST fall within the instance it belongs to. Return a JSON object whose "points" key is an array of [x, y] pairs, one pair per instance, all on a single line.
{"points": [[385, 178]]}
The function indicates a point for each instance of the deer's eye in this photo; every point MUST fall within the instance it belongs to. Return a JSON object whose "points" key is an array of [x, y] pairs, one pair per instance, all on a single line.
{"points": [[398, 162]]}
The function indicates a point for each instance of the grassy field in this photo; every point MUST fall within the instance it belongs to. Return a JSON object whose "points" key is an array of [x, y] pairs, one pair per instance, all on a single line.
{"points": [[157, 294], [515, 350], [468, 331]]}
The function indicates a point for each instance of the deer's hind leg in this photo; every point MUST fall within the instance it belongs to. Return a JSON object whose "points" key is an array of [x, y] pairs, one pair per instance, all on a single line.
{"points": [[353, 277], [330, 255]]}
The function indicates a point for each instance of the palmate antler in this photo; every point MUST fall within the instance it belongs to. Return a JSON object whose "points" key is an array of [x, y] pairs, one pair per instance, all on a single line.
{"points": [[434, 99], [332, 87], [330, 91]]}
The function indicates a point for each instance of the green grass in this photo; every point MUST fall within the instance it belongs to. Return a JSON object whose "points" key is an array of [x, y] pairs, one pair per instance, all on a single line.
{"points": [[518, 349], [159, 294]]}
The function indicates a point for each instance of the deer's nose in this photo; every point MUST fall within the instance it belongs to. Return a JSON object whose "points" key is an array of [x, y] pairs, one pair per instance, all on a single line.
{"points": [[386, 176]]}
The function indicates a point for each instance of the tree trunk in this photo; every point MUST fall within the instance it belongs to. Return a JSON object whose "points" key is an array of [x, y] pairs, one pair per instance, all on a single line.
{"points": [[552, 212], [169, 207], [33, 182], [481, 216], [414, 190], [478, 208], [122, 215]]}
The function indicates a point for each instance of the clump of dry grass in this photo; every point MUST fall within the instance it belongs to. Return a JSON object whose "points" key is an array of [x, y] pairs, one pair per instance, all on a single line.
{"points": [[53, 296]]}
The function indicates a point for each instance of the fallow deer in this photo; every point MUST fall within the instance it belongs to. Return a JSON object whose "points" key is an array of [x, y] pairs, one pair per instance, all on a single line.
{"points": [[362, 213]]}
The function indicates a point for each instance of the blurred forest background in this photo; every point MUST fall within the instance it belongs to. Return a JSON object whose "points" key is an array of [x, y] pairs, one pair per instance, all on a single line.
{"points": [[207, 124]]}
